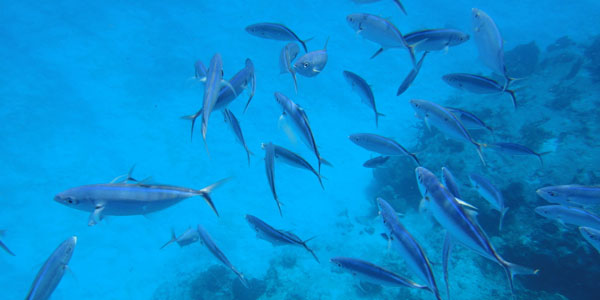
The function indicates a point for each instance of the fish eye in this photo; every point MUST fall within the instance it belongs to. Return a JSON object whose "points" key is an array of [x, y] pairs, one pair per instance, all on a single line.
{"points": [[553, 194], [71, 200], [306, 64]]}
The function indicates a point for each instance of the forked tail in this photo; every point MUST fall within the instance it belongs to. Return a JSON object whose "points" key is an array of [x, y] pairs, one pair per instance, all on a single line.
{"points": [[205, 193]]}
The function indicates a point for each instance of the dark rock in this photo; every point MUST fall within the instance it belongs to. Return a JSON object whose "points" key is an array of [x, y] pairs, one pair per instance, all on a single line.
{"points": [[561, 43], [592, 53], [255, 289], [522, 60]]}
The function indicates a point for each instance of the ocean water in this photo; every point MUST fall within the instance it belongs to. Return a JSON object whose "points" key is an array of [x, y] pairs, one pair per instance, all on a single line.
{"points": [[89, 89]]}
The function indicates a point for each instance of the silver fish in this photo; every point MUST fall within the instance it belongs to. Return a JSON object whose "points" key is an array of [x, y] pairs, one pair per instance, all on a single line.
{"points": [[571, 194], [212, 247], [49, 276], [450, 183], [190, 236], [380, 31], [435, 39], [461, 224], [237, 130], [397, 2], [515, 149], [295, 160], [288, 54], [274, 31], [469, 120], [376, 162], [312, 63], [490, 193], [490, 44], [374, 274], [270, 170], [381, 145], [438, 116], [407, 246], [592, 236], [478, 85], [126, 199], [569, 215], [363, 89], [277, 237], [214, 77], [4, 246], [408, 80]]}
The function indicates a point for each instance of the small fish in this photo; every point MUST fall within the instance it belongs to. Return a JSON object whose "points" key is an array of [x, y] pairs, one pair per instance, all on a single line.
{"points": [[295, 160], [277, 237], [410, 77], [435, 39], [398, 3], [288, 54], [450, 183], [49, 276], [374, 274], [312, 63], [376, 162], [515, 149], [212, 247], [571, 194], [408, 248], [469, 120], [437, 116], [569, 215], [491, 194], [381, 145], [592, 236], [478, 85], [363, 89], [270, 169], [274, 31], [237, 130], [4, 246], [380, 31], [490, 44], [190, 236], [214, 79]]}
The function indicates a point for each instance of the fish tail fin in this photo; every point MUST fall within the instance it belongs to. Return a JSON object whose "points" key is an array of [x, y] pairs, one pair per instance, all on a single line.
{"points": [[377, 115], [539, 155], [295, 81], [173, 239], [251, 92], [241, 277], [310, 250], [205, 193], [399, 4], [249, 153], [193, 119], [377, 53], [6, 249], [303, 43], [513, 97], [502, 214], [480, 152], [514, 269], [413, 58], [325, 162], [321, 181], [414, 156]]}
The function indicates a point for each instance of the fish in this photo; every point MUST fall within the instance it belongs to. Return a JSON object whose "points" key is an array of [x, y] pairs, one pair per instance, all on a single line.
{"points": [[374, 274], [469, 120], [3, 246], [397, 2], [460, 223], [299, 120], [379, 31], [569, 215], [408, 80], [489, 42], [240, 81], [407, 246], [190, 236], [270, 169], [288, 54], [49, 276], [376, 162], [363, 89], [128, 199], [490, 193], [295, 160], [381, 145], [437, 116], [478, 85], [214, 79], [435, 39], [571, 194], [237, 130], [592, 236], [275, 31], [515, 149], [212, 247], [450, 183], [312, 63], [277, 237]]}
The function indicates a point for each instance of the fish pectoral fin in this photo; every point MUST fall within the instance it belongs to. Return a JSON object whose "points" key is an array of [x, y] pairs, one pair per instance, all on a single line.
{"points": [[96, 215], [227, 84], [467, 205], [281, 123]]}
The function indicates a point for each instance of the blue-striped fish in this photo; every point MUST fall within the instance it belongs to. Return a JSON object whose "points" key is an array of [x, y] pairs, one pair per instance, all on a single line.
{"points": [[369, 272], [237, 130], [468, 119], [270, 170], [571, 194], [295, 160], [398, 3], [490, 44], [4, 246], [381, 145], [312, 63], [569, 215], [188, 237], [288, 54], [491, 194], [408, 80], [460, 223], [376, 162], [212, 247], [592, 236], [212, 87], [363, 89], [274, 31], [450, 182], [435, 39], [408, 248], [49, 276], [277, 237], [515, 149], [478, 84]]}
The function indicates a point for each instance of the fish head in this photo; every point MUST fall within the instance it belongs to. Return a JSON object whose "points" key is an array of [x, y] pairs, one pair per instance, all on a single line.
{"points": [[253, 221], [65, 250], [255, 30], [386, 211], [420, 107], [284, 101], [71, 197], [425, 179], [356, 138], [552, 194], [338, 262], [355, 21], [547, 211], [458, 38], [452, 80]]}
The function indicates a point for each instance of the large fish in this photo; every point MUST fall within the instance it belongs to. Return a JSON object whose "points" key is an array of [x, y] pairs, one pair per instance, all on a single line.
{"points": [[214, 81], [469, 120], [490, 193], [4, 246], [408, 248], [569, 215], [460, 223], [441, 118], [295, 160], [369, 272], [212, 247], [450, 182], [312, 63], [363, 89], [380, 31], [592, 236], [188, 237], [270, 170], [288, 54], [49, 276], [274, 31], [237, 130], [478, 85], [490, 44], [277, 237], [435, 39], [127, 199], [571, 194], [408, 80], [381, 145], [515, 149], [398, 3]]}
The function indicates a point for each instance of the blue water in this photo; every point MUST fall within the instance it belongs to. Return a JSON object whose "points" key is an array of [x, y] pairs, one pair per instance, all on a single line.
{"points": [[88, 89]]}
